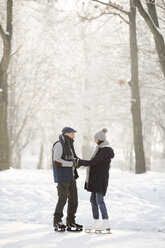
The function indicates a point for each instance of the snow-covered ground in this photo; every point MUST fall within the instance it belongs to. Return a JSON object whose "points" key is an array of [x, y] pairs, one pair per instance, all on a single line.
{"points": [[136, 206]]}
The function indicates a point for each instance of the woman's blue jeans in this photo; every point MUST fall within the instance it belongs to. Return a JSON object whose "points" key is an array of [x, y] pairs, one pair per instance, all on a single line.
{"points": [[97, 202]]}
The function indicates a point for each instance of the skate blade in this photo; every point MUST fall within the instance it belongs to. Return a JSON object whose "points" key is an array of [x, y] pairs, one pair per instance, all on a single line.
{"points": [[69, 229], [105, 231], [87, 230], [59, 230]]}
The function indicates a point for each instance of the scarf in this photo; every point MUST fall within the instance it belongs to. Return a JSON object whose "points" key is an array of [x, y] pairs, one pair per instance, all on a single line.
{"points": [[103, 144], [68, 149]]}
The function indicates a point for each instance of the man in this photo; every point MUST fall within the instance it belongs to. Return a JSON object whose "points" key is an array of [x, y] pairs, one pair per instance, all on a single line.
{"points": [[65, 174]]}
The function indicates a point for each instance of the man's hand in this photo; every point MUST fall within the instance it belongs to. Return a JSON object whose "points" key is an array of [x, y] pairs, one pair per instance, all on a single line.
{"points": [[75, 163]]}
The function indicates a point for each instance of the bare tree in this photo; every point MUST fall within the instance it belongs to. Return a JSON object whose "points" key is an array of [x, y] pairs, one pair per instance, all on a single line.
{"points": [[151, 20], [135, 103], [6, 36], [140, 166]]}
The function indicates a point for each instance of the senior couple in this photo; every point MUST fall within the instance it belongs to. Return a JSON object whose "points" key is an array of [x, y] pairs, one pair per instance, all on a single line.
{"points": [[65, 164]]}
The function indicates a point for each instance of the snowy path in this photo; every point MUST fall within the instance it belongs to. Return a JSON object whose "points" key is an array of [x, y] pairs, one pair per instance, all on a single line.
{"points": [[17, 234], [135, 203]]}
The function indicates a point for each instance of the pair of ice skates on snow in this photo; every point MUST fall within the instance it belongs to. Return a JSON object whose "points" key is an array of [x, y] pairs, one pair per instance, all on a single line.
{"points": [[99, 227]]}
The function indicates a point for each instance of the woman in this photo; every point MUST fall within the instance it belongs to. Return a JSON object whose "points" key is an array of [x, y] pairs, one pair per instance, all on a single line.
{"points": [[97, 179]]}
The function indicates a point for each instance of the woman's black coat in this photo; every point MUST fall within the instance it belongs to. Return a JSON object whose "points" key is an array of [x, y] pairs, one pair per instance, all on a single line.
{"points": [[99, 170]]}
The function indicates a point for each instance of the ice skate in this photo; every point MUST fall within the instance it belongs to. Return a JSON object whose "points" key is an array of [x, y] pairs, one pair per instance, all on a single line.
{"points": [[59, 227], [74, 227], [93, 226], [104, 227]]}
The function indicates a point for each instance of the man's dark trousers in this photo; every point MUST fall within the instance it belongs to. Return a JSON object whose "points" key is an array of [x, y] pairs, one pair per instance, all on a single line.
{"points": [[66, 190]]}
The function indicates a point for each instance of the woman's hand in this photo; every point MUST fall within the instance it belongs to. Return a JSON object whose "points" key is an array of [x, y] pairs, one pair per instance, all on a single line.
{"points": [[75, 163]]}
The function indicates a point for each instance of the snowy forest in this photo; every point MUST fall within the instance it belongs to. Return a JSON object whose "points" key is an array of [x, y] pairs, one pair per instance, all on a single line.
{"points": [[85, 64], [88, 65]]}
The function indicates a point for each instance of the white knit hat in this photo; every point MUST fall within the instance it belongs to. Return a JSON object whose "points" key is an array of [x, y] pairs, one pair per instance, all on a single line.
{"points": [[101, 134]]}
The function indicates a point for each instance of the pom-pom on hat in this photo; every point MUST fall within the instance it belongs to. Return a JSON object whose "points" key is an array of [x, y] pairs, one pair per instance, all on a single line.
{"points": [[101, 134]]}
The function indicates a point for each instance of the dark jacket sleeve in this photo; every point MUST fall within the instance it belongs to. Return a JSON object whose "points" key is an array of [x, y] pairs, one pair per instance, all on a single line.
{"points": [[112, 153], [100, 156]]}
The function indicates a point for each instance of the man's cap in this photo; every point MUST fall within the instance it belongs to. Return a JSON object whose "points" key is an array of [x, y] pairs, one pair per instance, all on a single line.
{"points": [[68, 130]]}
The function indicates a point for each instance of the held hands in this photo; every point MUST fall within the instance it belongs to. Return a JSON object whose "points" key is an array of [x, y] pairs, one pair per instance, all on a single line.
{"points": [[75, 163]]}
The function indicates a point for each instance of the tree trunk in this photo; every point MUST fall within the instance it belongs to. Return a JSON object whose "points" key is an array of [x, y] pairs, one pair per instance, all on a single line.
{"points": [[6, 38], [4, 143], [152, 22], [40, 161], [135, 103], [163, 151], [147, 145]]}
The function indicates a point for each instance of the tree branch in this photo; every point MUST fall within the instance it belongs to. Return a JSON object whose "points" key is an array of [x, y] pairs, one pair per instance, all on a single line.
{"points": [[154, 30], [16, 50], [104, 13], [96, 29], [113, 5], [163, 2], [160, 6], [119, 16], [2, 33], [152, 11], [161, 19], [90, 19]]}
